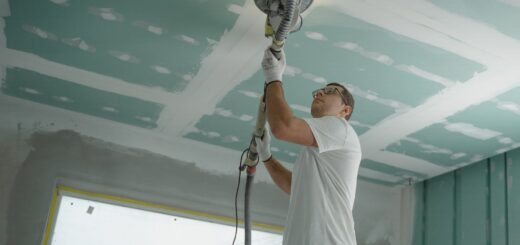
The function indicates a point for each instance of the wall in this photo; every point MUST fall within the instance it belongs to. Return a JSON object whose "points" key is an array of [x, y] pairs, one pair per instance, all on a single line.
{"points": [[13, 151], [33, 163], [67, 158], [478, 204]]}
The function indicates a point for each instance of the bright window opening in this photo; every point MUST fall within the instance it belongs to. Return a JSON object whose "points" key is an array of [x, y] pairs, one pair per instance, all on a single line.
{"points": [[86, 222]]}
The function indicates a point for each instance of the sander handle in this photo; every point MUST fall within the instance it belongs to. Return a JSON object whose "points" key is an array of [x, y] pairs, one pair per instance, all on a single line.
{"points": [[252, 155]]}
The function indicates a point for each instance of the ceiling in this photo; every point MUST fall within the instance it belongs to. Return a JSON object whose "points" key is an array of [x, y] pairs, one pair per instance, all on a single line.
{"points": [[436, 83]]}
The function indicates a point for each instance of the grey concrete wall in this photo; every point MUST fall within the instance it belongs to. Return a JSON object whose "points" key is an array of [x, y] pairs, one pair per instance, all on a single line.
{"points": [[13, 151], [31, 168]]}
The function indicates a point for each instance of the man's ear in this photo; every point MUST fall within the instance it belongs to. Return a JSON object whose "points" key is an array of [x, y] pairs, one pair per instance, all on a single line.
{"points": [[347, 110]]}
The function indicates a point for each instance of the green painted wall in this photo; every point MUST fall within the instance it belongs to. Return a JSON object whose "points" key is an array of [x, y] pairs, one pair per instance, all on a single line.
{"points": [[475, 205]]}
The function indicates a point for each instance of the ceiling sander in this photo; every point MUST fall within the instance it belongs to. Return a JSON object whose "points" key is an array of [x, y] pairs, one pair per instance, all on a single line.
{"points": [[283, 17]]}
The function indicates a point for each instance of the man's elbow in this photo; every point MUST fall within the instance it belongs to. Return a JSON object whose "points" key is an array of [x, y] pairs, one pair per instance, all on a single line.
{"points": [[279, 132], [288, 191]]}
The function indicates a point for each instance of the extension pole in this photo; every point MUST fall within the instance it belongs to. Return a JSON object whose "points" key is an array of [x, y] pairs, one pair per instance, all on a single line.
{"points": [[252, 156], [251, 162], [247, 219]]}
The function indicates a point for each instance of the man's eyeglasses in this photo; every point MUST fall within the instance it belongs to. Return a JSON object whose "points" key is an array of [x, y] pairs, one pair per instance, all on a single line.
{"points": [[329, 90]]}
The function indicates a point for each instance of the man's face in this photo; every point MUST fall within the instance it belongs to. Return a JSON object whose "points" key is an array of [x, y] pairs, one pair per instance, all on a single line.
{"points": [[328, 104]]}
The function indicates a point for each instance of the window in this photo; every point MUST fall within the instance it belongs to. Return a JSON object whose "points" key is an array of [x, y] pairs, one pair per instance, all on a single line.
{"points": [[81, 221]]}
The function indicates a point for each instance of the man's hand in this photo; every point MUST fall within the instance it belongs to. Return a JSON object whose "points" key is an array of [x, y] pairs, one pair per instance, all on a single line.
{"points": [[263, 146], [273, 68]]}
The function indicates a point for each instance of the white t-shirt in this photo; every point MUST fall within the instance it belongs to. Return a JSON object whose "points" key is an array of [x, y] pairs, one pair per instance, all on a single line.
{"points": [[323, 186]]}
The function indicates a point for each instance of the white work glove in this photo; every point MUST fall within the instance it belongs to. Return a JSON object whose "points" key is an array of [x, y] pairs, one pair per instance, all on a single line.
{"points": [[263, 146], [273, 68]]}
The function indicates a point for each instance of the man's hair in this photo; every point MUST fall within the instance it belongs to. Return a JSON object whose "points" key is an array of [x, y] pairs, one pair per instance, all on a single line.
{"points": [[348, 97]]}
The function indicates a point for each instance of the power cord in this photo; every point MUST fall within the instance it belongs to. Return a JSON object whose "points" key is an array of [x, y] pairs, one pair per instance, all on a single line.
{"points": [[241, 167]]}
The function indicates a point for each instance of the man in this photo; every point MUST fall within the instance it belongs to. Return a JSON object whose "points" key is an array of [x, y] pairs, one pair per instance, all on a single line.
{"points": [[322, 186]]}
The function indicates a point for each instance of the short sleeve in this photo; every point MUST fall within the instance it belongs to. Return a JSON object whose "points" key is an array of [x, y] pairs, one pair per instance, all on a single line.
{"points": [[330, 132]]}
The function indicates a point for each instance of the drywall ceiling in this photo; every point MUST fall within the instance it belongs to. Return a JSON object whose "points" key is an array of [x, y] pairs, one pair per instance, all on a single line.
{"points": [[436, 83]]}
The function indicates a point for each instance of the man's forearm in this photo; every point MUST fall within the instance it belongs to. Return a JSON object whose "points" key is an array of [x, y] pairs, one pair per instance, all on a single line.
{"points": [[281, 176], [279, 114]]}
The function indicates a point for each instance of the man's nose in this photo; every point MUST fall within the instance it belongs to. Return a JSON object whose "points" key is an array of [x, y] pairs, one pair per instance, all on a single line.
{"points": [[319, 93]]}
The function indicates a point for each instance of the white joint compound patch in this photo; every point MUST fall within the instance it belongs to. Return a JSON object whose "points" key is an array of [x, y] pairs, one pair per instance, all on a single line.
{"points": [[30, 91], [63, 99], [314, 78], [109, 109], [472, 131], [354, 47], [426, 75], [509, 106], [61, 2], [123, 56], [372, 96], [514, 3], [233, 8], [155, 29], [301, 108], [230, 139], [359, 124], [144, 119], [250, 94], [210, 41], [147, 26], [40, 32], [458, 155], [292, 71], [315, 36], [188, 39], [161, 69], [245, 118], [79, 43], [106, 13], [386, 60], [505, 140], [428, 148], [227, 113], [187, 77]]}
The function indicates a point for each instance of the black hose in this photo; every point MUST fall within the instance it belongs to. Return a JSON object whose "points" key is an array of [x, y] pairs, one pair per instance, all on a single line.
{"points": [[285, 25]]}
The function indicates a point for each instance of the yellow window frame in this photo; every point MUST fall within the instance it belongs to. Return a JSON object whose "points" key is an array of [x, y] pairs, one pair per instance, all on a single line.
{"points": [[140, 204]]}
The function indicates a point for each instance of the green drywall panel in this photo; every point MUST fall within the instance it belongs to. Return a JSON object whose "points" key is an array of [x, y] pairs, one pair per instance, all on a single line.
{"points": [[497, 189], [338, 27], [226, 132], [513, 194], [241, 104], [198, 21], [414, 149], [440, 210], [419, 214], [510, 96], [438, 136], [376, 181], [471, 204], [55, 92], [503, 15], [363, 105], [296, 92], [485, 116], [377, 166]]}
